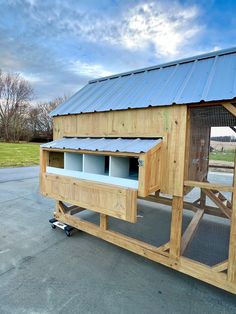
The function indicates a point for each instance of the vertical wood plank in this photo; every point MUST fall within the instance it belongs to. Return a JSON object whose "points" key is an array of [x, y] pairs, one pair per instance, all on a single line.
{"points": [[232, 239], [103, 221], [173, 172], [176, 226], [202, 199], [44, 160]]}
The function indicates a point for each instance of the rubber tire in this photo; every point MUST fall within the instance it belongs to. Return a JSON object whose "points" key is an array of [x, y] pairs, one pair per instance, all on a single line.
{"points": [[68, 233], [53, 226]]}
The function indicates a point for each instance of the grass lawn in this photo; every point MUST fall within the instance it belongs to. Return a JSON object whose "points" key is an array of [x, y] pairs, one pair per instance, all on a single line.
{"points": [[223, 156], [27, 154], [20, 154]]}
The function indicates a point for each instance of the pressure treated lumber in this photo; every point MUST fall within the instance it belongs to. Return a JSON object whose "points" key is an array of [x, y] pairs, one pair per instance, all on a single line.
{"points": [[232, 239], [178, 166], [222, 266], [218, 202], [209, 186], [166, 122], [191, 229], [103, 221], [83, 151], [149, 171], [187, 205], [231, 108], [72, 210], [176, 227], [111, 200], [44, 161], [184, 265]]}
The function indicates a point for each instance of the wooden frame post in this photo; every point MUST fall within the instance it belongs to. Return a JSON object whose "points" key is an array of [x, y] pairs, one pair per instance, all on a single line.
{"points": [[103, 221], [176, 227], [232, 240], [44, 160]]}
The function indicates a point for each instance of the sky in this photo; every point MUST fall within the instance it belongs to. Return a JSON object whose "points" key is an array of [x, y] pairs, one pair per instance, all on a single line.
{"points": [[59, 45]]}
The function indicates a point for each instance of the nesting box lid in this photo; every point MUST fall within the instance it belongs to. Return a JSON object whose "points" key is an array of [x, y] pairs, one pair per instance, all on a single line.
{"points": [[128, 145]]}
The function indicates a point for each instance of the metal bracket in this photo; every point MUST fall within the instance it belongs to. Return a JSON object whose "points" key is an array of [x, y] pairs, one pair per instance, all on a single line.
{"points": [[140, 163]]}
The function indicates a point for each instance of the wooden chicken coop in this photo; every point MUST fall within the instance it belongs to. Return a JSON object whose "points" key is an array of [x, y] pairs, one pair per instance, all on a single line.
{"points": [[145, 134]]}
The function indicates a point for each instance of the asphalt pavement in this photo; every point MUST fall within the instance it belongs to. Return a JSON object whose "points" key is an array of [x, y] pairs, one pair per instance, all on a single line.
{"points": [[43, 271]]}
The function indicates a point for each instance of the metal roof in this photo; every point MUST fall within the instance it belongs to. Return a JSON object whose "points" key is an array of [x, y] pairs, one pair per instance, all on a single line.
{"points": [[136, 145], [208, 77]]}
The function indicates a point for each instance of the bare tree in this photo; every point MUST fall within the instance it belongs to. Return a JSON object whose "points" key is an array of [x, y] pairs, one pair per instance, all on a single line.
{"points": [[15, 94], [39, 119]]}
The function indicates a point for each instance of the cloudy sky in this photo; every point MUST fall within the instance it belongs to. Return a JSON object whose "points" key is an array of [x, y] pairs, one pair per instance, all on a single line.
{"points": [[59, 45]]}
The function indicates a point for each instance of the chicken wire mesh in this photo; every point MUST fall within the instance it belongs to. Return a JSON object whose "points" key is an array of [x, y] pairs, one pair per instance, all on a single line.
{"points": [[210, 157]]}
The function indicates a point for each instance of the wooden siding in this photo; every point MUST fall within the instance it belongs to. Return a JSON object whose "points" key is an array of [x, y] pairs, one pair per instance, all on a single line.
{"points": [[150, 172], [114, 201], [166, 122]]}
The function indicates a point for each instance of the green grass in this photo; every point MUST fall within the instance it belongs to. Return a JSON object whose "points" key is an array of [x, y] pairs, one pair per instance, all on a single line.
{"points": [[27, 154], [20, 154], [223, 156]]}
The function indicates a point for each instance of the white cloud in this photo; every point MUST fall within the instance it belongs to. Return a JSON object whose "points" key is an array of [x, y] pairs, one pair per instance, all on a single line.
{"points": [[42, 37], [163, 27], [89, 69], [31, 77], [31, 2], [167, 29]]}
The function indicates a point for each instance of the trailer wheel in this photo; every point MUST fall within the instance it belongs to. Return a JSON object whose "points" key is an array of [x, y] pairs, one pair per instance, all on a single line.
{"points": [[68, 233]]}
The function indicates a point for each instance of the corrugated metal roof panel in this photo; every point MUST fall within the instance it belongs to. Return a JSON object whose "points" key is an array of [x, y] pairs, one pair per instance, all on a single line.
{"points": [[208, 77], [136, 145]]}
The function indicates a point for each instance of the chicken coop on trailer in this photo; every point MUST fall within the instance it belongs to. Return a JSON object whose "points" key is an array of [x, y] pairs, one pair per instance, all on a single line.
{"points": [[146, 134]]}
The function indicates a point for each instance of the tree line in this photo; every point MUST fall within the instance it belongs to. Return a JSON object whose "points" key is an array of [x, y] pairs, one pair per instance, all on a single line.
{"points": [[226, 138], [20, 117]]}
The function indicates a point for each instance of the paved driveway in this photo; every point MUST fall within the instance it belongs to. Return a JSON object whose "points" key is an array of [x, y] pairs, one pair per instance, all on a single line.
{"points": [[43, 271]]}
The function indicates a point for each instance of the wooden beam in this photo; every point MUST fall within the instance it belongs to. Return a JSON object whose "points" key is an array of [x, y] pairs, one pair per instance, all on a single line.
{"points": [[191, 229], [220, 266], [165, 247], [209, 103], [210, 210], [231, 108], [197, 202], [184, 265], [44, 160], [176, 226], [221, 167], [117, 238], [209, 186], [202, 199], [103, 221], [61, 207], [82, 151], [64, 209], [218, 202], [232, 239], [72, 210]]}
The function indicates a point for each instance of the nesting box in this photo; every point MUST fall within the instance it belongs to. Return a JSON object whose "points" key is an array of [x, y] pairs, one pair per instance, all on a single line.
{"points": [[145, 134]]}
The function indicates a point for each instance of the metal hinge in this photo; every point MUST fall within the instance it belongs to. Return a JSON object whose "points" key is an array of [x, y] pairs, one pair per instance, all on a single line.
{"points": [[140, 163]]}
